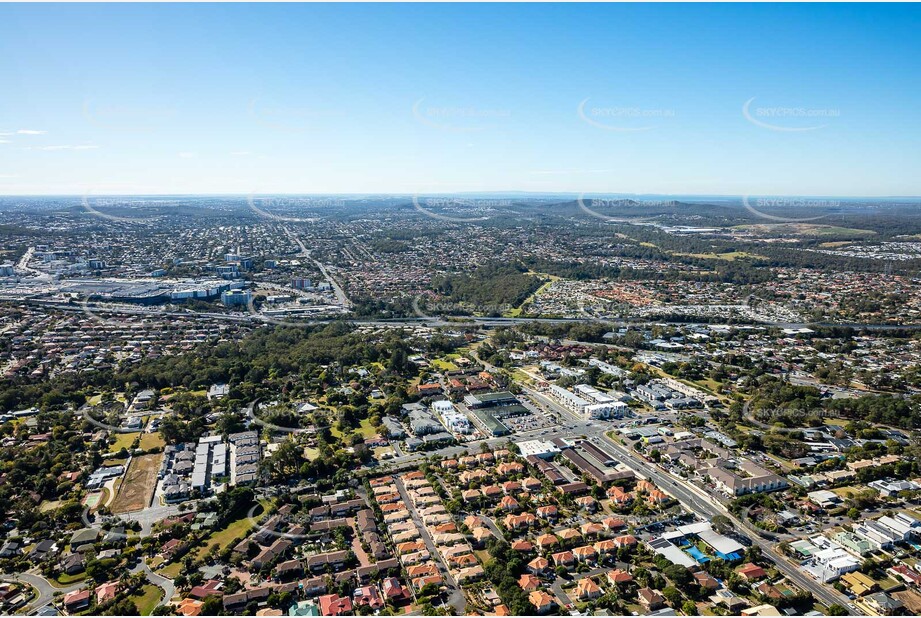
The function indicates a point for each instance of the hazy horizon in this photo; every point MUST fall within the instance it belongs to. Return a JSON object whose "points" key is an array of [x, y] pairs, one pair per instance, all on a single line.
{"points": [[485, 193]]}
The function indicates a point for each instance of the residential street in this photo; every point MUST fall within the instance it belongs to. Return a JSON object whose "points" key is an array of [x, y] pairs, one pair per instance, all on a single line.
{"points": [[456, 596], [165, 584], [45, 590]]}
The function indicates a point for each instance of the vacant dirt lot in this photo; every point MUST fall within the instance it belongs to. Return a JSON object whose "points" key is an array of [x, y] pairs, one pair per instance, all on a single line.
{"points": [[138, 485], [911, 599]]}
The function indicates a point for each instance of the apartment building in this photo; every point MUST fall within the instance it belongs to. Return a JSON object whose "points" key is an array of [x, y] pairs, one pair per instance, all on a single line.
{"points": [[244, 457], [757, 479]]}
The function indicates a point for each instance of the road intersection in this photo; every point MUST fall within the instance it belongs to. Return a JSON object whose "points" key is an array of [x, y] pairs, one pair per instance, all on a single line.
{"points": [[693, 498]]}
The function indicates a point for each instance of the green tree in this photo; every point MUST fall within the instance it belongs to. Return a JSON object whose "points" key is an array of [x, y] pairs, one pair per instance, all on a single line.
{"points": [[673, 595]]}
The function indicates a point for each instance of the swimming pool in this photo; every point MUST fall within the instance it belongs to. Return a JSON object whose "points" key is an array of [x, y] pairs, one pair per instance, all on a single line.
{"points": [[697, 555]]}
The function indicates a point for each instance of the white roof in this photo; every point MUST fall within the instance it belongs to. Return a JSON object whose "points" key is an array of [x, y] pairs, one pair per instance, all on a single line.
{"points": [[675, 555], [593, 393], [674, 535], [843, 562], [720, 543], [536, 447], [883, 531], [717, 541], [568, 395], [831, 553], [695, 528]]}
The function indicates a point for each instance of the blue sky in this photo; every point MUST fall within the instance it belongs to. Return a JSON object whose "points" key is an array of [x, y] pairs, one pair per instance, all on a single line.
{"points": [[446, 98]]}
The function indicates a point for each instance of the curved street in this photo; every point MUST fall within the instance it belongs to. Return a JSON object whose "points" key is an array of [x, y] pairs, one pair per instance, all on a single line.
{"points": [[42, 586], [163, 583]]}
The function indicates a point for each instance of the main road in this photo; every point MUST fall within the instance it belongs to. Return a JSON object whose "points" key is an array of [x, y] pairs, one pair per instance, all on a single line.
{"points": [[465, 321], [305, 253], [23, 264], [695, 499]]}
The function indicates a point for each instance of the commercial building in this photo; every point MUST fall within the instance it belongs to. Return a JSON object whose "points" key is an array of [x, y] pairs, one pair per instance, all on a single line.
{"points": [[856, 544], [671, 552], [578, 457], [569, 400], [537, 448], [588, 402], [491, 400], [828, 560], [489, 423], [232, 298], [723, 546], [602, 405], [877, 534], [824, 498]]}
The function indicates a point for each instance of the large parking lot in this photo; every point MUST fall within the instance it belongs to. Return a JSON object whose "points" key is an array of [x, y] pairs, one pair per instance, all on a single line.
{"points": [[537, 419]]}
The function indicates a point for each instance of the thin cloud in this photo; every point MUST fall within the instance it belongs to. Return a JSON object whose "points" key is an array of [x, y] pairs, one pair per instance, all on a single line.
{"points": [[240, 153], [64, 147], [559, 172], [30, 132], [186, 155]]}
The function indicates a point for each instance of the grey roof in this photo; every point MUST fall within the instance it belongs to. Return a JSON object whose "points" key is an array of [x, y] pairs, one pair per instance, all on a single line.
{"points": [[87, 535]]}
